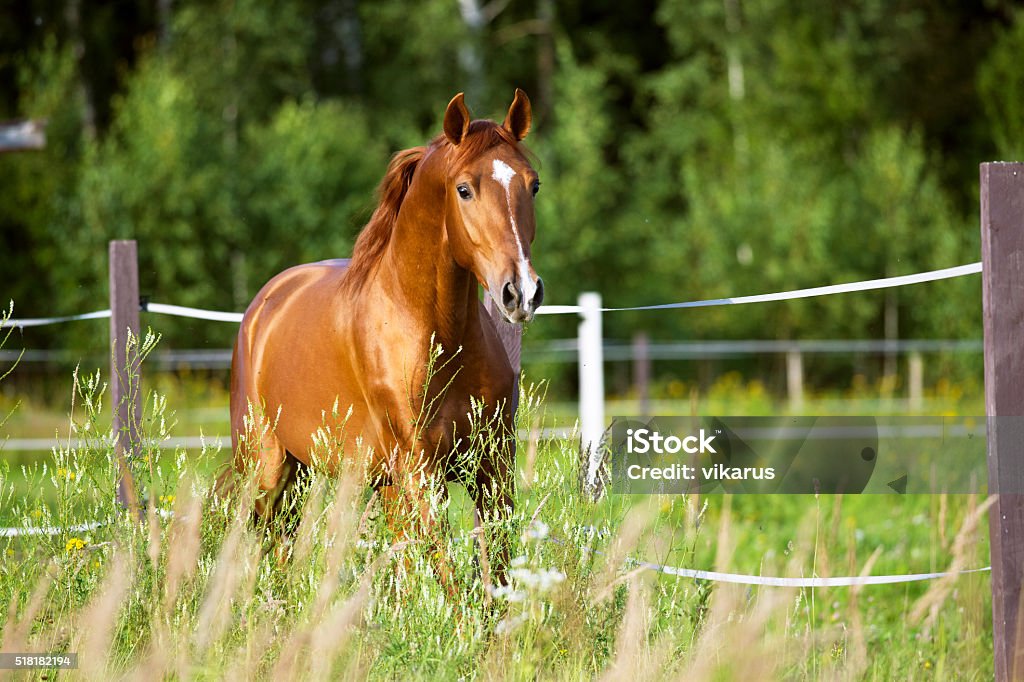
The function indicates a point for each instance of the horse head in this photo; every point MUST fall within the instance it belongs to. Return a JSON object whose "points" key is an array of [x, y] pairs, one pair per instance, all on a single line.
{"points": [[489, 205]]}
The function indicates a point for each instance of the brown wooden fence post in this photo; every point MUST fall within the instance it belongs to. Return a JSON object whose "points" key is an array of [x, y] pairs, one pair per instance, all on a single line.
{"points": [[1002, 252], [124, 365]]}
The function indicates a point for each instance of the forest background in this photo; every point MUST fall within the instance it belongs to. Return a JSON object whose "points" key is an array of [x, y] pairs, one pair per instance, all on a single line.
{"points": [[688, 149]]}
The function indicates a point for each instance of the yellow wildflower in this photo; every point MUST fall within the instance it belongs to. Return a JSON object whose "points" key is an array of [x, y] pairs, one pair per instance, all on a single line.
{"points": [[74, 544]]}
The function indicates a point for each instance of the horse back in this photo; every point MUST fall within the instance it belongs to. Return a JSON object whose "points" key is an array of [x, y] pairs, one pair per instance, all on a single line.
{"points": [[287, 353]]}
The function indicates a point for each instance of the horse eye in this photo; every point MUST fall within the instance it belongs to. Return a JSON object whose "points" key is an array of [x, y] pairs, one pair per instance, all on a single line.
{"points": [[536, 187], [464, 192]]}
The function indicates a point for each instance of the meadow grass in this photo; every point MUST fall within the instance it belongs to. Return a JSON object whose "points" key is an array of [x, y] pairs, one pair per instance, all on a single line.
{"points": [[203, 593], [195, 589], [202, 410]]}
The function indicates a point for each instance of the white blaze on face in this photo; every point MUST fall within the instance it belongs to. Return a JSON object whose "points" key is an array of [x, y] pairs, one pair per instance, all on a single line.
{"points": [[503, 173]]}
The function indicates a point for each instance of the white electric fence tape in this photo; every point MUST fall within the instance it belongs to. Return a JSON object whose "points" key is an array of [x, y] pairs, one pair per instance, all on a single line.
{"points": [[43, 321], [48, 530], [773, 581], [196, 313], [842, 581], [26, 531], [866, 285]]}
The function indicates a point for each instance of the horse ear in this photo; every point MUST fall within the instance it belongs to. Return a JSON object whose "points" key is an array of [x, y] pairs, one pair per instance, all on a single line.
{"points": [[519, 116], [456, 119]]}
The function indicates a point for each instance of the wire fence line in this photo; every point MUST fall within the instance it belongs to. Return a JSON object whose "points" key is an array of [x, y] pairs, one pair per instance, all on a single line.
{"points": [[566, 350], [191, 358], [194, 313], [848, 287], [210, 442]]}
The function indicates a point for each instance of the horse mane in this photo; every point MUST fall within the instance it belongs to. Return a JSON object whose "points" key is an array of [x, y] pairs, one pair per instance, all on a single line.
{"points": [[375, 236]]}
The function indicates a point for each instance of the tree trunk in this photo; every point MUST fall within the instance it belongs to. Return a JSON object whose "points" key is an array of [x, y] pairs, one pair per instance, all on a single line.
{"points": [[471, 57], [545, 61], [73, 16]]}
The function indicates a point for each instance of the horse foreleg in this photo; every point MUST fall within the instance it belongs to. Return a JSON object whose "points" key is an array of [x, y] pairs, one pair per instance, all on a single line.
{"points": [[260, 455], [418, 512]]}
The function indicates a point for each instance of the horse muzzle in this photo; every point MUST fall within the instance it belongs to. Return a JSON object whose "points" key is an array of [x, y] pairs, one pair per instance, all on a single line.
{"points": [[520, 299]]}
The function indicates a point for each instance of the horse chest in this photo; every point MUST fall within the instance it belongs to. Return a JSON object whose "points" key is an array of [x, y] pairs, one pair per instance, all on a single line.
{"points": [[439, 405]]}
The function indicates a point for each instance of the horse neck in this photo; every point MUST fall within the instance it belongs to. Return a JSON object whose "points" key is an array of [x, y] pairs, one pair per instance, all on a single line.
{"points": [[419, 264]]}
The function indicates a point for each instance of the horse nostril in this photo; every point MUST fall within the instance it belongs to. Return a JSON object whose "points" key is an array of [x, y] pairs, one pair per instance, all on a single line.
{"points": [[538, 296], [509, 296]]}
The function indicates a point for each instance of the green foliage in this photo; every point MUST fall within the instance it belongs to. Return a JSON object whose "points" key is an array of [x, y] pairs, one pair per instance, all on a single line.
{"points": [[1001, 85], [309, 186], [240, 57], [411, 62], [692, 150], [576, 205], [220, 201], [161, 177], [37, 189]]}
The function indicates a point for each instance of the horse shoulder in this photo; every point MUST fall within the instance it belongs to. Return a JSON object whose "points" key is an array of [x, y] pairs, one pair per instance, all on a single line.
{"points": [[291, 353]]}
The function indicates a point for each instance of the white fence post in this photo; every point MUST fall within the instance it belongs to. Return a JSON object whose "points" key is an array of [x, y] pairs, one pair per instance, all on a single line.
{"points": [[795, 379], [642, 373], [915, 379], [591, 366]]}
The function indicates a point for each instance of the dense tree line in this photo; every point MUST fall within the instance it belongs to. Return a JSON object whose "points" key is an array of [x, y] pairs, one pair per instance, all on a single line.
{"points": [[688, 148]]}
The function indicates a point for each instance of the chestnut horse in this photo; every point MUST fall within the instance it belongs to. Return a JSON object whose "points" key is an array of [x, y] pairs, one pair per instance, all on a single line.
{"points": [[452, 214]]}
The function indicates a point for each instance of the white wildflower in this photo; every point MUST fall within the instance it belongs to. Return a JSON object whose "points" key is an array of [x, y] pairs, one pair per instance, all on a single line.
{"points": [[549, 578], [538, 530], [509, 624], [510, 594], [540, 581]]}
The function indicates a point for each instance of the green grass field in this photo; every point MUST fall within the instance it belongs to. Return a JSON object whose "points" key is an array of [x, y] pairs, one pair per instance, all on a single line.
{"points": [[202, 594]]}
